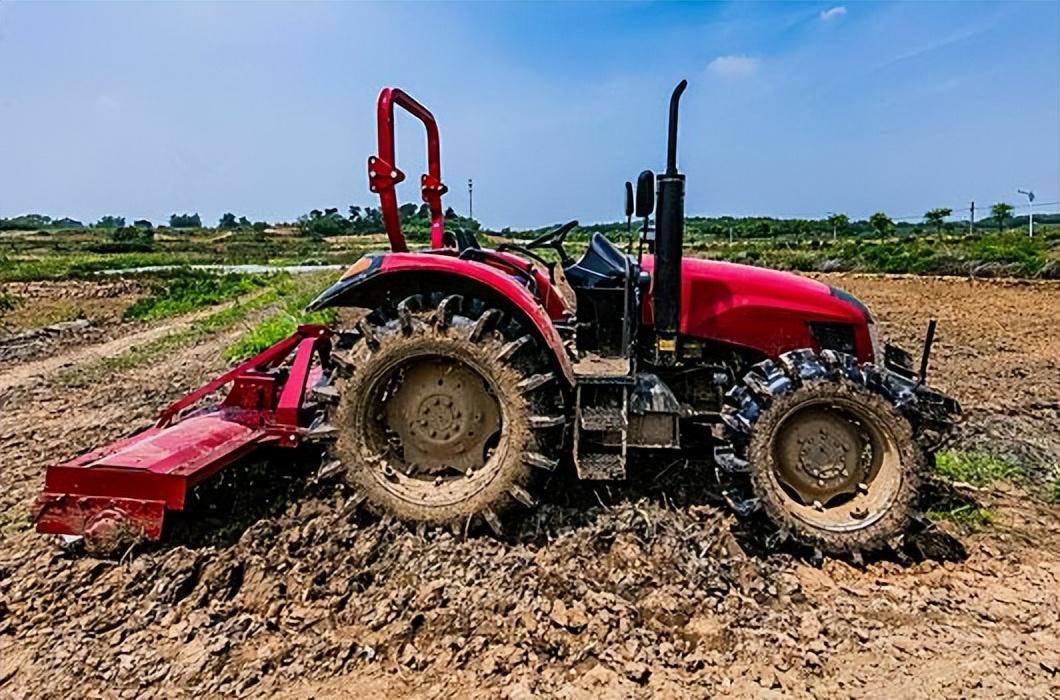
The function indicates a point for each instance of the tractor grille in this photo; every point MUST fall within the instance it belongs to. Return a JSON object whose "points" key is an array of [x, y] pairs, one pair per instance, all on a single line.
{"points": [[834, 336]]}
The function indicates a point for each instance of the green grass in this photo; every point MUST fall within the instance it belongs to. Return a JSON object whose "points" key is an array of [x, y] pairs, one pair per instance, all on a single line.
{"points": [[181, 291], [8, 302], [968, 516], [278, 326], [76, 264], [977, 468], [1052, 489]]}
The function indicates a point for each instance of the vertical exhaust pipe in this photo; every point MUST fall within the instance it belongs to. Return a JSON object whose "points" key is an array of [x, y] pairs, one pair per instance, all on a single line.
{"points": [[669, 241]]}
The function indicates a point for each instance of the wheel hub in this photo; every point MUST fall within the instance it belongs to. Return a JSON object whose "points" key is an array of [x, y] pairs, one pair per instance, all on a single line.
{"points": [[441, 417], [820, 456]]}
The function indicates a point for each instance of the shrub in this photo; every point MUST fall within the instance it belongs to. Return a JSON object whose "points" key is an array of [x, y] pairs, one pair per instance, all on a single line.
{"points": [[1011, 247]]}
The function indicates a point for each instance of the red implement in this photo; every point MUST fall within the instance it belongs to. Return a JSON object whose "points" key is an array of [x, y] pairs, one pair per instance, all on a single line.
{"points": [[126, 487]]}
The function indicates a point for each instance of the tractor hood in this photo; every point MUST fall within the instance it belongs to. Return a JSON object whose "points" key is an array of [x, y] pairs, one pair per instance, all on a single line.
{"points": [[767, 310]]}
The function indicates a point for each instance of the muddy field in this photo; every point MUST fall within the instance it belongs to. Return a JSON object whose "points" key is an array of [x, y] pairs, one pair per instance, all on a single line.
{"points": [[645, 589]]}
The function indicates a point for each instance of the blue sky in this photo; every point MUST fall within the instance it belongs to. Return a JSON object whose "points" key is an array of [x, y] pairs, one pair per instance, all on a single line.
{"points": [[266, 110]]}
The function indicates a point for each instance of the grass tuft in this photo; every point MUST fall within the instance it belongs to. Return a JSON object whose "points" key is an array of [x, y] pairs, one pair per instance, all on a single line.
{"points": [[8, 302], [1052, 489], [976, 468], [968, 516]]}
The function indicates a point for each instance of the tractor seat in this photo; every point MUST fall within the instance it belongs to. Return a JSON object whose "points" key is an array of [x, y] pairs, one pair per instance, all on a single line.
{"points": [[603, 265]]}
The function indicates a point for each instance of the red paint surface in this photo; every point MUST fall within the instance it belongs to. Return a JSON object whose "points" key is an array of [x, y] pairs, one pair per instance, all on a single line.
{"points": [[383, 173], [138, 478], [757, 308], [503, 282]]}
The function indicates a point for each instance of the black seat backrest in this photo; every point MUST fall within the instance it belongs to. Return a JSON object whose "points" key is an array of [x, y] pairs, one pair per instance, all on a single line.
{"points": [[603, 265]]}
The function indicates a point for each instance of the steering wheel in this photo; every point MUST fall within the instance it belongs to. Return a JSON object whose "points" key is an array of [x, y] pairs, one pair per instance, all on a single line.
{"points": [[551, 238], [554, 239]]}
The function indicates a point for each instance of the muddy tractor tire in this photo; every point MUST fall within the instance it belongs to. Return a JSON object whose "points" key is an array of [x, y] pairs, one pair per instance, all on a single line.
{"points": [[828, 457], [445, 411]]}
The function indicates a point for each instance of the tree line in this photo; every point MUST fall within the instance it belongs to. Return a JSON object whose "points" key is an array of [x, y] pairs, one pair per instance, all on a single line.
{"points": [[415, 219]]}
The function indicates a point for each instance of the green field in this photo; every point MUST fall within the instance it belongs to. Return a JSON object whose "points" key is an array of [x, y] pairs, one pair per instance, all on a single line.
{"points": [[55, 253]]}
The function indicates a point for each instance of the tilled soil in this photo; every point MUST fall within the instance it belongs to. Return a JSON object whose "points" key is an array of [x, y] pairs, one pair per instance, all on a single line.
{"points": [[274, 584], [47, 318]]}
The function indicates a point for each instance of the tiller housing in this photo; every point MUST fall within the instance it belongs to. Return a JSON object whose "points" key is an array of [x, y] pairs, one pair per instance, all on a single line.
{"points": [[127, 487]]}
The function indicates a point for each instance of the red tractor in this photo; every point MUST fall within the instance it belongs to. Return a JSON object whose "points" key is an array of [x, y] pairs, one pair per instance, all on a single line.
{"points": [[477, 371]]}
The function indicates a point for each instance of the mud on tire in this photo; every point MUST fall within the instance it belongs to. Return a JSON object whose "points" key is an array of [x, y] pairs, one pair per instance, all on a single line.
{"points": [[444, 410], [816, 442]]}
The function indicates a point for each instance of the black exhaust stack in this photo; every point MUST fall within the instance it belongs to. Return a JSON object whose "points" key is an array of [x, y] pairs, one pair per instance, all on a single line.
{"points": [[669, 240]]}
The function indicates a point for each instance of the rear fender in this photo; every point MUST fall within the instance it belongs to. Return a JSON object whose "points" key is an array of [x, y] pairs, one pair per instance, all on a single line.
{"points": [[375, 279]]}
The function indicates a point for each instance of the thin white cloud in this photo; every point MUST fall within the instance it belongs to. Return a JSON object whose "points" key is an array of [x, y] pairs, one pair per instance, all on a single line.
{"points": [[734, 66], [833, 13]]}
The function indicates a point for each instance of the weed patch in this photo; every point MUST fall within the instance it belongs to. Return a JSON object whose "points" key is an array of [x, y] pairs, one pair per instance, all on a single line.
{"points": [[181, 291], [967, 517], [977, 468], [278, 326], [8, 302]]}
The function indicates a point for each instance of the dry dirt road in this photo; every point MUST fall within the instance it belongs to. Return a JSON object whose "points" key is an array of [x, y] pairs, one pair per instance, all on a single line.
{"points": [[641, 590]]}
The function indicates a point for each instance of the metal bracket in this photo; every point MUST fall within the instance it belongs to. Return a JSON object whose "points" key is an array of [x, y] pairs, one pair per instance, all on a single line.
{"points": [[382, 175]]}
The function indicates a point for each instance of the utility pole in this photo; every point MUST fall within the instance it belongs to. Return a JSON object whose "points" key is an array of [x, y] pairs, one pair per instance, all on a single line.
{"points": [[831, 215], [1030, 210], [971, 221], [470, 201]]}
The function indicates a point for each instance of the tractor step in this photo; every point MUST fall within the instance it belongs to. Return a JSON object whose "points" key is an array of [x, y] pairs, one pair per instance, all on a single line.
{"points": [[601, 426]]}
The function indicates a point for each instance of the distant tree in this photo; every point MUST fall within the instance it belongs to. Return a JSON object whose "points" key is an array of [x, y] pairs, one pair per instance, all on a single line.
{"points": [[425, 211], [355, 213], [185, 221], [227, 222], [260, 226], [1001, 213], [839, 223], [25, 222], [407, 211], [881, 223], [67, 222], [143, 223], [318, 224], [936, 217], [111, 222], [450, 213], [244, 222], [132, 238]]}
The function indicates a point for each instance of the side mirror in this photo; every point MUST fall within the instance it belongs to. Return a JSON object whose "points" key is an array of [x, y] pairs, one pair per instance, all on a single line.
{"points": [[629, 199], [645, 194]]}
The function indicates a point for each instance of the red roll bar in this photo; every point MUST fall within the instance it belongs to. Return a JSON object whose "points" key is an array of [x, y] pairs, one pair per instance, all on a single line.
{"points": [[383, 173]]}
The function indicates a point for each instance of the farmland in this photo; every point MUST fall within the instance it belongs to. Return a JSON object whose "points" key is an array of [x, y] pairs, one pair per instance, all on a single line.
{"points": [[273, 584]]}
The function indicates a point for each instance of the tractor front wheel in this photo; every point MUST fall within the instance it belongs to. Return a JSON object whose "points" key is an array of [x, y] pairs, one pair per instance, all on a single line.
{"points": [[831, 460], [449, 412]]}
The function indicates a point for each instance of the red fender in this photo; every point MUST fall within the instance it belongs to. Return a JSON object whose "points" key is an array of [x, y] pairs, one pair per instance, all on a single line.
{"points": [[375, 273]]}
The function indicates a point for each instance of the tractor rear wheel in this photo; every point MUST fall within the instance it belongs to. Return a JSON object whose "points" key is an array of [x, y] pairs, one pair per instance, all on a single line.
{"points": [[832, 461], [449, 411]]}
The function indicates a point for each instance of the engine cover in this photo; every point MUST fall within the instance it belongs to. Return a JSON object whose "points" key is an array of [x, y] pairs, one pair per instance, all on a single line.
{"points": [[764, 310]]}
